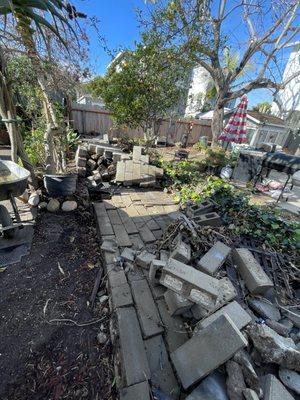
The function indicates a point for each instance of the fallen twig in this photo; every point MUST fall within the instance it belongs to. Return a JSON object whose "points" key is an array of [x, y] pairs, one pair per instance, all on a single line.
{"points": [[96, 287], [74, 322]]}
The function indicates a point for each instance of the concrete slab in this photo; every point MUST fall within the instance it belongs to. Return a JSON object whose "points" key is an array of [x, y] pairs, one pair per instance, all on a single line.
{"points": [[121, 296], [214, 258], [140, 391], [236, 313], [274, 389], [133, 355], [205, 352], [162, 375], [149, 318], [175, 332], [256, 280]]}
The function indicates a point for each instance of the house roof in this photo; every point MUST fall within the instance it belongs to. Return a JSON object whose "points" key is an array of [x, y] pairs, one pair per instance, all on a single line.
{"points": [[265, 118]]}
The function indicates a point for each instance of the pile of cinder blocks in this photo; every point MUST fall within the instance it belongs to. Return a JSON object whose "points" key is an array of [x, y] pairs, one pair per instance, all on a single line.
{"points": [[137, 171], [203, 213]]}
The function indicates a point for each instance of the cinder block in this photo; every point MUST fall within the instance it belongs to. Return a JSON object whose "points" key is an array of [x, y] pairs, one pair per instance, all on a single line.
{"points": [[140, 391], [92, 148], [214, 258], [205, 352], [190, 283], [134, 362], [81, 152], [236, 313], [91, 164], [81, 162], [181, 252], [255, 278], [204, 207], [176, 303], [144, 259], [211, 219], [156, 267], [99, 150], [274, 389]]}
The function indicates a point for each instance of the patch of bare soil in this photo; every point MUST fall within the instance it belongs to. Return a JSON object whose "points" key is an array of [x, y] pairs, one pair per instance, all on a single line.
{"points": [[48, 347]]}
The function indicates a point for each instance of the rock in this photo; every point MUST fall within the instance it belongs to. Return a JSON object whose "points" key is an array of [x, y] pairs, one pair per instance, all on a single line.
{"points": [[274, 348], [34, 199], [250, 394], [235, 381], [53, 205], [294, 315], [69, 205], [250, 376], [101, 337], [290, 379], [42, 205], [103, 299], [265, 309], [279, 328], [212, 387]]}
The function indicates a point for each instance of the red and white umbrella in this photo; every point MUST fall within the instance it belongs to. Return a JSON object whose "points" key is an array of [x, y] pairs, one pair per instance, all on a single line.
{"points": [[235, 130]]}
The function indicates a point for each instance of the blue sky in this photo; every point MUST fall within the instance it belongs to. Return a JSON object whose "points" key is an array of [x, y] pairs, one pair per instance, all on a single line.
{"points": [[119, 25]]}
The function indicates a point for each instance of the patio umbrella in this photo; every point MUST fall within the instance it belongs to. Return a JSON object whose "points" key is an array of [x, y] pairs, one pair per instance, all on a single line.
{"points": [[235, 130]]}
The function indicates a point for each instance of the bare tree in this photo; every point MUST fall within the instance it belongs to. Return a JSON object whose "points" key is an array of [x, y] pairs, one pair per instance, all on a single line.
{"points": [[256, 30]]}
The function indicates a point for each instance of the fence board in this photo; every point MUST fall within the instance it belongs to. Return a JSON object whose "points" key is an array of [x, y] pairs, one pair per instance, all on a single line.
{"points": [[87, 119]]}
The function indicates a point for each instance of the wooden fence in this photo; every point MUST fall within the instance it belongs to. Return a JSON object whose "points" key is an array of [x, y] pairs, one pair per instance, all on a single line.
{"points": [[87, 119]]}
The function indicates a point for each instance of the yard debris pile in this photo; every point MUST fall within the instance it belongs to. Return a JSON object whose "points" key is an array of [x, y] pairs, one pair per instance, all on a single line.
{"points": [[235, 303]]}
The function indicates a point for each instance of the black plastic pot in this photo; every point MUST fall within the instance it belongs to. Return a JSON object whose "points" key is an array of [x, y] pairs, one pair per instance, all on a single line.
{"points": [[60, 185]]}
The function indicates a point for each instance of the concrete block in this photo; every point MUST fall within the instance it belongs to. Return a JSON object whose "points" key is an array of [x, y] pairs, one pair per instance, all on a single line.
{"points": [[211, 219], [149, 318], [190, 283], [158, 291], [121, 296], [164, 255], [140, 391], [81, 152], [214, 258], [92, 148], [128, 254], [134, 362], [99, 150], [162, 375], [144, 259], [176, 303], [182, 252], [91, 164], [156, 267], [274, 389], [205, 352], [235, 312], [256, 280], [81, 162], [175, 332], [194, 210]]}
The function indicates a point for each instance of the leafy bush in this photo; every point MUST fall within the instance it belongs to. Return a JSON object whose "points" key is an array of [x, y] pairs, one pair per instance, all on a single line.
{"points": [[34, 146], [200, 147], [182, 172]]}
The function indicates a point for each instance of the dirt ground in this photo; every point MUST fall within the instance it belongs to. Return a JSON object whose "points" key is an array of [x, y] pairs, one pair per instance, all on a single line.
{"points": [[49, 348]]}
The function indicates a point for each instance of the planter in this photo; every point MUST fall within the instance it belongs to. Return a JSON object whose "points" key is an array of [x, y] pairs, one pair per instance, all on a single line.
{"points": [[60, 185]]}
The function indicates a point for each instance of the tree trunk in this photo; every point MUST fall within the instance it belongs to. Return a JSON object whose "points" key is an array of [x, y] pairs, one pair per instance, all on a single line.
{"points": [[217, 123]]}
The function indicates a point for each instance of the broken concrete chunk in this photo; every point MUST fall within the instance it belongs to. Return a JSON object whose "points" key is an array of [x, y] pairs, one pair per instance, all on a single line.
{"points": [[211, 388], [250, 376], [176, 303], [294, 315], [265, 309], [156, 267], [214, 258], [274, 389], [278, 327], [109, 245], [164, 255], [235, 381], [190, 283], [290, 379], [181, 252], [205, 352], [256, 280], [144, 259], [237, 314], [274, 348], [128, 254], [250, 394]]}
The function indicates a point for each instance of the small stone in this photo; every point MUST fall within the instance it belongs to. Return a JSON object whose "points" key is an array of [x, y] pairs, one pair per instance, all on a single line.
{"points": [[290, 379], [42, 205], [101, 337], [103, 299], [265, 309], [53, 205], [34, 199], [69, 205]]}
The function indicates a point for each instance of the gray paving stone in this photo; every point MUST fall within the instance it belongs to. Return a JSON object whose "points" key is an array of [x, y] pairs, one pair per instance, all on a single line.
{"points": [[152, 225], [140, 391], [114, 217], [144, 259], [149, 318], [146, 235], [206, 351], [122, 237], [274, 389], [214, 258], [190, 283], [158, 234], [236, 313], [133, 355], [127, 221], [116, 277], [162, 375], [136, 274], [137, 242], [105, 226], [256, 280], [175, 332], [176, 303], [121, 296]]}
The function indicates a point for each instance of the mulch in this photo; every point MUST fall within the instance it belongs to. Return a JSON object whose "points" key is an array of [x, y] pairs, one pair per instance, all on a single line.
{"points": [[49, 348]]}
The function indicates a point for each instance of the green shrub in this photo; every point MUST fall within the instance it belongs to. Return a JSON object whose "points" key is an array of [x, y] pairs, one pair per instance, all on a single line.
{"points": [[34, 146]]}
